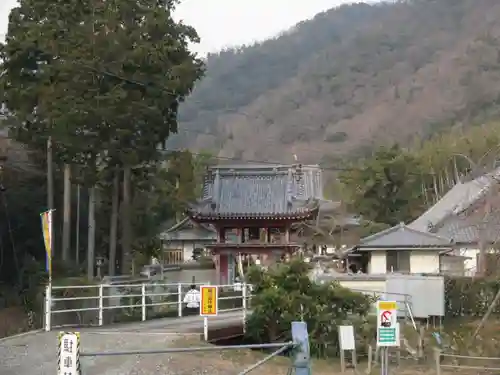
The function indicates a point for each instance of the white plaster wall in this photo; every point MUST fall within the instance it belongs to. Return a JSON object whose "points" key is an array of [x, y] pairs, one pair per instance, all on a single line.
{"points": [[420, 262], [424, 261], [187, 250], [377, 263], [470, 265]]}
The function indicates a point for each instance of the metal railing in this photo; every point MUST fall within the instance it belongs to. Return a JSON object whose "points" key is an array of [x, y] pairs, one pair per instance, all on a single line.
{"points": [[281, 347], [300, 353], [404, 301], [139, 301]]}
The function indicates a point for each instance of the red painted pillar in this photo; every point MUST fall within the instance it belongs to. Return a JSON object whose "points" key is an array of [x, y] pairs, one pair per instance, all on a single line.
{"points": [[222, 258], [216, 258], [223, 269]]}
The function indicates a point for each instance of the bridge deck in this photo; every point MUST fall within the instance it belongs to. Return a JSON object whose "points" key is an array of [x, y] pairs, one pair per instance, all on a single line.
{"points": [[36, 353]]}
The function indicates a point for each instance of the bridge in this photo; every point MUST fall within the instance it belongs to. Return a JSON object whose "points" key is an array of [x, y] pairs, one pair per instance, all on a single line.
{"points": [[85, 308], [35, 353]]}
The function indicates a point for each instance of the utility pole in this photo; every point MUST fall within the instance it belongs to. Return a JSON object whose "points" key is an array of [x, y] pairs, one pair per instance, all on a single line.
{"points": [[66, 213], [91, 234], [77, 232], [50, 180]]}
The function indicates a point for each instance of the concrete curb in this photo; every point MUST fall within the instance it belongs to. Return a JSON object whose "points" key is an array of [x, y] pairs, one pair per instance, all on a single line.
{"points": [[21, 335]]}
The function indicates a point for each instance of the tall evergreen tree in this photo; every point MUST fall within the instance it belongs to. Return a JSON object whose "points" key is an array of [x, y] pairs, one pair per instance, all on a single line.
{"points": [[104, 79]]}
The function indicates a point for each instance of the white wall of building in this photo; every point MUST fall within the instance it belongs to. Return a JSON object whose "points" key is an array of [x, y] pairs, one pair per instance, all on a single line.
{"points": [[471, 262], [424, 261], [420, 262], [377, 263]]}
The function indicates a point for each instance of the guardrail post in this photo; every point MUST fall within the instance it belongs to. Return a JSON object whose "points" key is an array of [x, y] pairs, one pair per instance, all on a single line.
{"points": [[244, 305], [302, 359], [437, 359], [101, 305], [179, 299], [143, 301], [48, 306]]}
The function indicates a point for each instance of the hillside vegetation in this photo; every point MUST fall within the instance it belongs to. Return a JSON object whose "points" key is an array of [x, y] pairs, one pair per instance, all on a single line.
{"points": [[353, 77]]}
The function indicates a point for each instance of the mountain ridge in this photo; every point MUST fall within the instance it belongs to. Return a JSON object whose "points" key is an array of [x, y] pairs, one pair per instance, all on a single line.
{"points": [[349, 79]]}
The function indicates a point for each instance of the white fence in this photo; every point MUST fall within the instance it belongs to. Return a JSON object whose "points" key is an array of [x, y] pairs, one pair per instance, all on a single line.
{"points": [[140, 301]]}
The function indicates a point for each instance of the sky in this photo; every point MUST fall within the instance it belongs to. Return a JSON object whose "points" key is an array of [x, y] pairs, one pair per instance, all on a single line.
{"points": [[229, 23]]}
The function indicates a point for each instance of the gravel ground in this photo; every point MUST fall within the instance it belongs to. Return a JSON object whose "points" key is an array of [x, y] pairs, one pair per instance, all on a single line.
{"points": [[36, 354]]}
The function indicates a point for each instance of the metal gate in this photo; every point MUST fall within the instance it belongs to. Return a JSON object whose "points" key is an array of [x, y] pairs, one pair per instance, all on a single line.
{"points": [[70, 353]]}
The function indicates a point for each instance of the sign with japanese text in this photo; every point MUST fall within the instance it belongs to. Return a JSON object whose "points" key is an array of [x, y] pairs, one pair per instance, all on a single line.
{"points": [[209, 305], [69, 353], [387, 323]]}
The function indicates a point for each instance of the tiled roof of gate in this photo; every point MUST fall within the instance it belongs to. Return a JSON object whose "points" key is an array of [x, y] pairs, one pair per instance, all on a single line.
{"points": [[259, 192]]}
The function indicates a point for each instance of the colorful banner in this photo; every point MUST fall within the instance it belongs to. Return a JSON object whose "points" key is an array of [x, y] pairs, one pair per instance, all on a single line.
{"points": [[209, 300], [47, 238]]}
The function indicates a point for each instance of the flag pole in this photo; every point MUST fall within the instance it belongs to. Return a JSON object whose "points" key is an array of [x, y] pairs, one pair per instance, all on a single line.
{"points": [[47, 227]]}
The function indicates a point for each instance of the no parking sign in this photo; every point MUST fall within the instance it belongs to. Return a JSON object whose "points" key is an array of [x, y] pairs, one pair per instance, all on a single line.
{"points": [[387, 323]]}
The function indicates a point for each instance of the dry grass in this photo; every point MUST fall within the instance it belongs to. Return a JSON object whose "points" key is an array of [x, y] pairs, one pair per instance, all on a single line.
{"points": [[13, 320], [233, 362]]}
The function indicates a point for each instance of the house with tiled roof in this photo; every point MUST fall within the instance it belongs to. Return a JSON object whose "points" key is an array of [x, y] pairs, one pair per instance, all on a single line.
{"points": [[402, 249], [444, 239], [185, 240], [468, 214], [258, 204]]}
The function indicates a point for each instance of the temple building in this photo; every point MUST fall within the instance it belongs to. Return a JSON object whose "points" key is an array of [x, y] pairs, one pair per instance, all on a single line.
{"points": [[252, 208]]}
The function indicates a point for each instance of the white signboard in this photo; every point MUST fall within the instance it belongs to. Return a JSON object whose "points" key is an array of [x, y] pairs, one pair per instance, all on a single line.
{"points": [[69, 353], [346, 338], [387, 323]]}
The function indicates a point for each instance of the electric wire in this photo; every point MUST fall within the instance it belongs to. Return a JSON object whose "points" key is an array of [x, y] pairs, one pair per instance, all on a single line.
{"points": [[143, 84]]}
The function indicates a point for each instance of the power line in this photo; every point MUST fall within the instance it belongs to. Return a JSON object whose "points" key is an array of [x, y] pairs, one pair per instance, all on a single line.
{"points": [[169, 92], [268, 162]]}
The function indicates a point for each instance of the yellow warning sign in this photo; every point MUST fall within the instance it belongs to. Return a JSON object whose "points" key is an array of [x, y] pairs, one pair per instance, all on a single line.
{"points": [[385, 305], [209, 301]]}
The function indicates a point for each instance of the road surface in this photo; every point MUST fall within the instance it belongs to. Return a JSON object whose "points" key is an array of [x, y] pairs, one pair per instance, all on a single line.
{"points": [[36, 354]]}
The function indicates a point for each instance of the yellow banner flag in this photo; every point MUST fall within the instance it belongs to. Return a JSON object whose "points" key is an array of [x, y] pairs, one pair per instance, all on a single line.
{"points": [[47, 238]]}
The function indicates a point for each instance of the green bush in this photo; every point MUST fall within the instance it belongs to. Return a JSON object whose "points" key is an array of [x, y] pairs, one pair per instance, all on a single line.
{"points": [[286, 293], [467, 296]]}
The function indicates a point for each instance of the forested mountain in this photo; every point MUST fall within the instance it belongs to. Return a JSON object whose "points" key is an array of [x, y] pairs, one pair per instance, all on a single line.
{"points": [[352, 77]]}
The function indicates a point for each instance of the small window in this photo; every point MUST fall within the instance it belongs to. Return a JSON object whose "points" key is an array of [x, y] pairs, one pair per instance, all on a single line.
{"points": [[253, 234], [398, 261]]}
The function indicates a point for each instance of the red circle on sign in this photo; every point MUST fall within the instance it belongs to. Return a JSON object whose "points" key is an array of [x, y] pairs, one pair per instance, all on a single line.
{"points": [[385, 318]]}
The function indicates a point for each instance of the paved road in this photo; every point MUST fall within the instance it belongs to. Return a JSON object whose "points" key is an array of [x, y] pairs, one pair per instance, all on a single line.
{"points": [[36, 354]]}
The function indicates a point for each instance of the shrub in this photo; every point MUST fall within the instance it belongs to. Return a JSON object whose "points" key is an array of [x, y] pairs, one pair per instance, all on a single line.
{"points": [[286, 293], [467, 296]]}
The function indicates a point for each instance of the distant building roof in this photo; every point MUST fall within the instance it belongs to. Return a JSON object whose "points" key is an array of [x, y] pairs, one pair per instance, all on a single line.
{"points": [[259, 192], [187, 230], [458, 199], [452, 215], [402, 236], [465, 231]]}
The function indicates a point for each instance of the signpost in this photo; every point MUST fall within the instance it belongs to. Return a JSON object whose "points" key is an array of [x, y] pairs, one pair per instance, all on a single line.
{"points": [[69, 353], [347, 342], [209, 305], [387, 331]]}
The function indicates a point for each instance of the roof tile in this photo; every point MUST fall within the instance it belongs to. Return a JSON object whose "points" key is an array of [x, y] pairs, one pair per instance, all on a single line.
{"points": [[260, 191]]}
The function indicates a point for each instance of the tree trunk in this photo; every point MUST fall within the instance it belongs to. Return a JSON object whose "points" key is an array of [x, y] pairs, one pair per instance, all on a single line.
{"points": [[113, 231], [91, 234], [66, 214], [126, 223]]}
